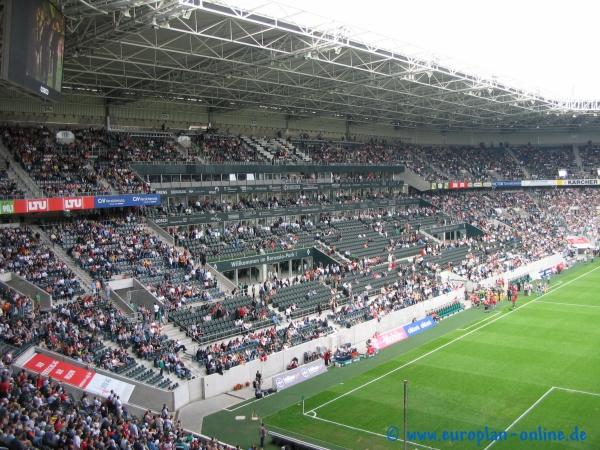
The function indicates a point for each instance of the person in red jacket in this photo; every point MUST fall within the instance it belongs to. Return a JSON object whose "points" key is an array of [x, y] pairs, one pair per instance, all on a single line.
{"points": [[5, 387]]}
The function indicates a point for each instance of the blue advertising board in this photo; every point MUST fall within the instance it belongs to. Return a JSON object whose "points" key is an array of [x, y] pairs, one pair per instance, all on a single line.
{"points": [[506, 183], [119, 201], [419, 326]]}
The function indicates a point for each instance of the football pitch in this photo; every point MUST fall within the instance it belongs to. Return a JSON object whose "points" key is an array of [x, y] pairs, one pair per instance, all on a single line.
{"points": [[526, 379]]}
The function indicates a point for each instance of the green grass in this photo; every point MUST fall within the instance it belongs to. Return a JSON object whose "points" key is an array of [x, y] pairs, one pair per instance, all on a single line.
{"points": [[497, 372]]}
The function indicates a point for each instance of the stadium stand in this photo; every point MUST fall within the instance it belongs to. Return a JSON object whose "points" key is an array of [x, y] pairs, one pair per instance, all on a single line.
{"points": [[49, 417], [386, 261], [24, 254], [59, 170], [8, 187], [241, 193]]}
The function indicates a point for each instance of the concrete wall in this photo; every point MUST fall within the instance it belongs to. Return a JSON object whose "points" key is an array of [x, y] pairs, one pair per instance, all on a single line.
{"points": [[531, 269], [19, 284], [358, 335], [88, 110], [121, 303], [144, 395], [164, 235], [180, 396], [277, 362]]}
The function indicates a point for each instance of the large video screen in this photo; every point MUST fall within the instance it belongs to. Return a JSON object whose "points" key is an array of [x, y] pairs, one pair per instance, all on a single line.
{"points": [[34, 42]]}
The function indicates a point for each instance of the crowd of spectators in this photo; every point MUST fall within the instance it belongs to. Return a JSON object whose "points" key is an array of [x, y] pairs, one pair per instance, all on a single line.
{"points": [[59, 170], [36, 412], [123, 148], [545, 162], [17, 319], [122, 179], [23, 253], [270, 202], [472, 163], [213, 243], [590, 159], [122, 246], [223, 356], [8, 187], [98, 161], [519, 227], [222, 149]]}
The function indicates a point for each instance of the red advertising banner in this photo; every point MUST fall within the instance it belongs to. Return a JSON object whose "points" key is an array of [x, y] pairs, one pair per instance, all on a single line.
{"points": [[573, 240], [59, 370], [459, 185], [76, 203], [38, 205], [79, 377], [382, 340]]}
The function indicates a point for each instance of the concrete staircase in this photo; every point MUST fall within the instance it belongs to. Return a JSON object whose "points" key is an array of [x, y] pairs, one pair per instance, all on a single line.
{"points": [[578, 160], [18, 174], [260, 151], [443, 174], [415, 180], [195, 151], [84, 278], [225, 284], [173, 332], [292, 150], [153, 228], [523, 168], [184, 152], [429, 236]]}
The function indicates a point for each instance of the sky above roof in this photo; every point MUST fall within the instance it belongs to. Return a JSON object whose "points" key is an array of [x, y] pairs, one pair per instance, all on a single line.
{"points": [[549, 47]]}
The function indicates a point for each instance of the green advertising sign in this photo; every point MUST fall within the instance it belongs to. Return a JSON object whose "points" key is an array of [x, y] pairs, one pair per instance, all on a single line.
{"points": [[7, 207], [268, 258]]}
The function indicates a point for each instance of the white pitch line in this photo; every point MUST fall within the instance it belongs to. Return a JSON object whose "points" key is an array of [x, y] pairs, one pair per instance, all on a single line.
{"points": [[577, 391], [365, 431], [569, 304], [502, 316], [527, 411], [241, 406], [479, 322]]}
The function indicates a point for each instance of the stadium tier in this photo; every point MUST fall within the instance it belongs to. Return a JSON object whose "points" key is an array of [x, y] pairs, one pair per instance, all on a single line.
{"points": [[221, 229], [229, 272]]}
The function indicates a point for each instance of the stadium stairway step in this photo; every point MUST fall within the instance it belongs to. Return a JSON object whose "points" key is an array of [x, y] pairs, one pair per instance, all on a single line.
{"points": [[429, 236], [84, 278], [143, 362], [435, 168], [521, 166], [162, 238], [24, 181], [184, 152], [577, 157], [173, 332], [224, 283], [415, 180], [104, 183]]}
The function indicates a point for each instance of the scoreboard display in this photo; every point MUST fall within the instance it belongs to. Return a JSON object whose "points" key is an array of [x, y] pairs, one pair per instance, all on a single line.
{"points": [[33, 46]]}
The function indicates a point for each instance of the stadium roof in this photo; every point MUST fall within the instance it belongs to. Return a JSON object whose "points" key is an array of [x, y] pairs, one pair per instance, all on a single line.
{"points": [[219, 55]]}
